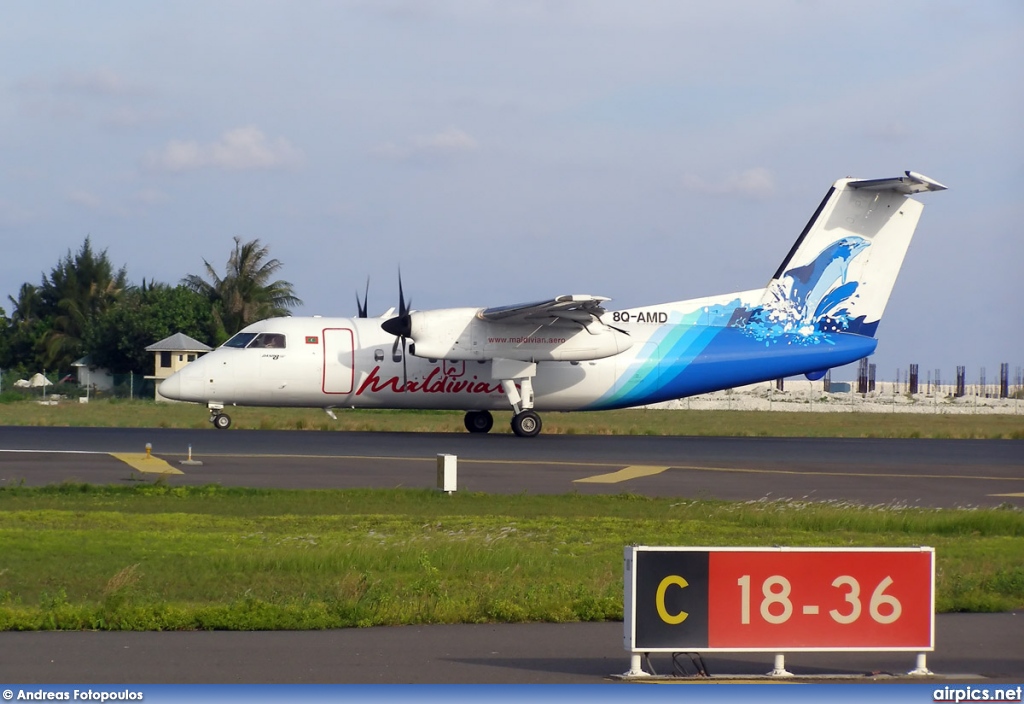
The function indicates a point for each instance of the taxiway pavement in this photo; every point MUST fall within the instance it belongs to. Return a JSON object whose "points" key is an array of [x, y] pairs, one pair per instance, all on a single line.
{"points": [[937, 473], [932, 473]]}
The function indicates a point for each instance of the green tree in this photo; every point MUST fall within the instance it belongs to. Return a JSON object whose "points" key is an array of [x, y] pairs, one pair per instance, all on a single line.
{"points": [[247, 292], [78, 290], [24, 331], [143, 315], [27, 306]]}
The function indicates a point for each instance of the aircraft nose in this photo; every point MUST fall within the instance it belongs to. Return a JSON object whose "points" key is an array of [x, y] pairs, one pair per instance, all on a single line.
{"points": [[171, 387]]}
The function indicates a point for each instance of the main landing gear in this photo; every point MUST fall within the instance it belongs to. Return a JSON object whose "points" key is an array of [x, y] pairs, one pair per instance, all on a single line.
{"points": [[525, 421], [525, 424], [220, 419], [479, 421]]}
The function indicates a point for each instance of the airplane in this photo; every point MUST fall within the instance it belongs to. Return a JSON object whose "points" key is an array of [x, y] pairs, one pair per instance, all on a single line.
{"points": [[820, 310]]}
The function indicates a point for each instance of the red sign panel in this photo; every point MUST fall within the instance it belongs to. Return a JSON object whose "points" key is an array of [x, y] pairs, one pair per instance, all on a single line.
{"points": [[779, 599], [819, 599]]}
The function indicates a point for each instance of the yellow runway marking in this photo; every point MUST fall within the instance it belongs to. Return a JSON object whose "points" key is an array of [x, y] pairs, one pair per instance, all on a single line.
{"points": [[562, 463], [1012, 496], [637, 470], [150, 465], [822, 473]]}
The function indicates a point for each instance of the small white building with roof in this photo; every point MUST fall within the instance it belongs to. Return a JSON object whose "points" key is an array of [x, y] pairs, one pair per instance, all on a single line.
{"points": [[172, 354], [91, 377]]}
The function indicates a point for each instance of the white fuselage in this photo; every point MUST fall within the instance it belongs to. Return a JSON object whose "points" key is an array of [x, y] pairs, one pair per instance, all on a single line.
{"points": [[352, 362], [820, 310]]}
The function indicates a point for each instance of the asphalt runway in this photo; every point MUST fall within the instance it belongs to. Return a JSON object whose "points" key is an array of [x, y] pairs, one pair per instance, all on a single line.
{"points": [[980, 648], [931, 473], [939, 473]]}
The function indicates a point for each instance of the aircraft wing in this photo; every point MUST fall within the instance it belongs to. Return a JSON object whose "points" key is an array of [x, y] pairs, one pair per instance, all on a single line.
{"points": [[579, 309]]}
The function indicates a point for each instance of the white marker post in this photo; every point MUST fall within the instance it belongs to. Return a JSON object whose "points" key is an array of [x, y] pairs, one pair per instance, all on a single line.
{"points": [[446, 472]]}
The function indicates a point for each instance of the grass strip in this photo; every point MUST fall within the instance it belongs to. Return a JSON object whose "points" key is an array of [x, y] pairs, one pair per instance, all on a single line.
{"points": [[118, 413], [156, 557]]}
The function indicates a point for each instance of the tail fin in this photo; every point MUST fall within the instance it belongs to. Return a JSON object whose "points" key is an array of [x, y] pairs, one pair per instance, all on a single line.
{"points": [[841, 270]]}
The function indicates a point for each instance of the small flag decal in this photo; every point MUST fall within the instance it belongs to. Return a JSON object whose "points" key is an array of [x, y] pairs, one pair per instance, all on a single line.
{"points": [[312, 339]]}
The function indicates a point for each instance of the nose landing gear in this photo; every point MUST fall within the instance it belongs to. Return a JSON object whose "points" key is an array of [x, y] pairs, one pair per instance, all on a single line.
{"points": [[220, 419]]}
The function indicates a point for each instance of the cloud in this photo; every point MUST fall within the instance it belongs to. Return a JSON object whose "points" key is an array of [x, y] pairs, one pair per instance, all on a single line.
{"points": [[122, 118], [891, 131], [442, 145], [756, 182], [150, 196], [103, 96], [239, 149], [94, 203], [101, 83], [86, 199], [12, 214]]}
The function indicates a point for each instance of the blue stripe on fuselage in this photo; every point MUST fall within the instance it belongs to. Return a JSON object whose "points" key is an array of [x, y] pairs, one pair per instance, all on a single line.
{"points": [[698, 359]]}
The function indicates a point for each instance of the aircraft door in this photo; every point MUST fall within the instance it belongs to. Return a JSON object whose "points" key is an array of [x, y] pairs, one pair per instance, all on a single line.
{"points": [[339, 360]]}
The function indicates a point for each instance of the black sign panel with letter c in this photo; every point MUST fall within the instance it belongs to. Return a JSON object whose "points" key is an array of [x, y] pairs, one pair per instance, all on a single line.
{"points": [[672, 600]]}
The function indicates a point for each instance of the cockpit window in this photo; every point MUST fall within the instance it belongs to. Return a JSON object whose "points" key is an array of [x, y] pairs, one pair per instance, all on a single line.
{"points": [[269, 339], [241, 339]]}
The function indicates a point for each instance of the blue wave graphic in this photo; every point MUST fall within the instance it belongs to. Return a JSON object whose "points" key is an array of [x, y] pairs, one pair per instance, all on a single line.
{"points": [[804, 325]]}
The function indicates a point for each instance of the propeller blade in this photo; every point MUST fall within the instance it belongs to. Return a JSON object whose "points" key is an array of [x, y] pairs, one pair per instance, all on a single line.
{"points": [[403, 309], [401, 324], [405, 371], [401, 327], [362, 306]]}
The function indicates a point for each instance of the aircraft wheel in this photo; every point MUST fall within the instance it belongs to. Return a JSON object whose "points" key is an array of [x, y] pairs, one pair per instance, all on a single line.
{"points": [[221, 421], [479, 421], [526, 424]]}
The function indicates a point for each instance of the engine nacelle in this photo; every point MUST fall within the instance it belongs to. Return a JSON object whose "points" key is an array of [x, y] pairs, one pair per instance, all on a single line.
{"points": [[458, 334]]}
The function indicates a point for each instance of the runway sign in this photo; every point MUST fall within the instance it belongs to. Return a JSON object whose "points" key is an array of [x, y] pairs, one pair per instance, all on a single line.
{"points": [[681, 599]]}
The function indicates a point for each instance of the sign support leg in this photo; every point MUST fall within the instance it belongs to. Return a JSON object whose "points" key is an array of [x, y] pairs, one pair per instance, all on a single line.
{"points": [[635, 667], [922, 667], [780, 667]]}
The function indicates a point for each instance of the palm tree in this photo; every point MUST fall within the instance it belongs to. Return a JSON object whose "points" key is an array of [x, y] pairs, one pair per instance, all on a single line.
{"points": [[78, 290], [246, 293], [24, 330], [26, 306]]}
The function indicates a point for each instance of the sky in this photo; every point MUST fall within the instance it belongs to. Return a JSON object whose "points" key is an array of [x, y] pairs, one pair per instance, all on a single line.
{"points": [[498, 152]]}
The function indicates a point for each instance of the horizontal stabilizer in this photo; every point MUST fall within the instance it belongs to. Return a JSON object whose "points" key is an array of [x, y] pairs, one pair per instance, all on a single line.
{"points": [[911, 183]]}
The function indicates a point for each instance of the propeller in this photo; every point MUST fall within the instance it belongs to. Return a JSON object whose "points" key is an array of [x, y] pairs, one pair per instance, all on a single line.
{"points": [[401, 327], [361, 306]]}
